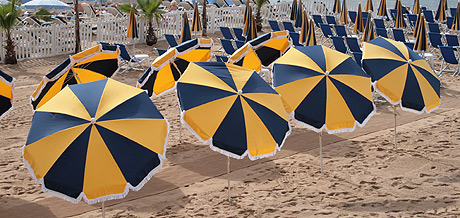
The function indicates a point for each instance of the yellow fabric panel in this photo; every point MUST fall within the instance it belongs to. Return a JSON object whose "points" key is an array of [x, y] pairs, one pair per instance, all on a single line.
{"points": [[259, 139], [66, 103], [376, 52], [251, 61], [401, 47], [86, 76], [54, 90], [278, 44], [393, 84], [101, 56], [430, 97], [164, 57], [270, 101], [206, 118], [86, 52], [333, 58], [200, 76], [204, 41], [240, 75], [293, 93], [150, 133], [240, 52], [196, 55], [113, 95], [164, 80], [34, 95], [42, 154], [102, 174], [338, 115], [296, 58], [360, 84], [6, 90], [422, 63]]}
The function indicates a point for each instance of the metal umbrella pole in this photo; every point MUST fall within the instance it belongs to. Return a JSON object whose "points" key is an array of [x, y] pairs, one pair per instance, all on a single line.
{"points": [[394, 112], [321, 151], [228, 179]]}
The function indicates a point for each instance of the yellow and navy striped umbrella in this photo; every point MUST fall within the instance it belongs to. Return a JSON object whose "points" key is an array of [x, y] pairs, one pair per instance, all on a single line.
{"points": [[186, 33], [96, 141], [456, 24], [441, 12], [246, 12], [323, 89], [369, 31], [96, 63], [416, 28], [336, 9], [196, 23], [299, 16], [249, 29], [132, 25], [421, 42], [358, 28], [401, 75], [233, 109], [417, 9], [311, 37], [293, 10], [382, 9], [369, 6], [399, 22], [166, 69], [262, 50], [304, 28], [6, 93], [344, 13]]}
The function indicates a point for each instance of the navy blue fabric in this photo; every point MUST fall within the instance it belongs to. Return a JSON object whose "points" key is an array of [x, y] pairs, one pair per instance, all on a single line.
{"points": [[358, 56], [70, 79], [435, 39], [326, 29], [353, 44], [239, 43], [378, 68], [228, 46], [434, 81], [295, 38], [312, 110], [428, 16], [330, 19], [274, 25], [398, 35], [220, 70], [277, 126], [46, 123], [379, 23], [67, 173], [452, 40], [6, 76], [348, 67], [220, 58], [58, 69], [239, 33], [191, 95], [381, 32], [267, 55], [359, 106], [260, 39], [106, 67], [339, 44], [171, 39], [341, 30], [5, 104], [137, 107], [231, 134], [283, 74], [134, 160], [148, 85], [288, 26], [256, 84], [316, 53], [90, 94], [352, 15], [109, 47], [298, 18], [181, 67], [412, 95], [124, 54], [226, 32], [317, 19], [381, 42], [414, 56], [187, 45]]}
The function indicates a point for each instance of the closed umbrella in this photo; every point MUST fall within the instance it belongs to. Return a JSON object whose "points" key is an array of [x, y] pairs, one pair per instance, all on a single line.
{"points": [[399, 22], [304, 28], [6, 93], [441, 12], [186, 34], [358, 28], [456, 24], [298, 20], [246, 12], [46, 4], [311, 36], [417, 24], [293, 10], [382, 9], [132, 28], [369, 6], [344, 13], [196, 23], [336, 9], [251, 30], [417, 9], [421, 42], [369, 31]]}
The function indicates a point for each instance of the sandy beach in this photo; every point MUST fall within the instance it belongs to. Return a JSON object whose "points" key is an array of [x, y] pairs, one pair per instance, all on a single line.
{"points": [[363, 175]]}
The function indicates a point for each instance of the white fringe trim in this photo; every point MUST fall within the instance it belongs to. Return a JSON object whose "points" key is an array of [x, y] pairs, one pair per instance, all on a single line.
{"points": [[11, 84]]}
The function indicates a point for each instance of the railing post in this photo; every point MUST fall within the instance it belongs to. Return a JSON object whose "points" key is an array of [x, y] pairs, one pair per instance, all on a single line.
{"points": [[54, 43]]}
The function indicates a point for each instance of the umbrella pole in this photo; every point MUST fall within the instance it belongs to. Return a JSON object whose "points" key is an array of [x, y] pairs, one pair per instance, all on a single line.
{"points": [[228, 179], [394, 112], [103, 210], [321, 151]]}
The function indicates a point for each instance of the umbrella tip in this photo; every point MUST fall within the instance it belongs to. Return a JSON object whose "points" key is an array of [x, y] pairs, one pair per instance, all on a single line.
{"points": [[327, 73], [93, 120], [240, 92]]}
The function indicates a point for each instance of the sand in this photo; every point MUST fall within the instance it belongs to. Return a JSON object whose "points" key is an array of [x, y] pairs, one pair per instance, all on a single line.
{"points": [[363, 175]]}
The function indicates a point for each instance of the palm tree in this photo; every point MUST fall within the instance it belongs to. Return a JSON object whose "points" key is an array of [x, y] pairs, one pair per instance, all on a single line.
{"points": [[43, 14], [77, 29], [204, 20], [259, 20], [8, 21]]}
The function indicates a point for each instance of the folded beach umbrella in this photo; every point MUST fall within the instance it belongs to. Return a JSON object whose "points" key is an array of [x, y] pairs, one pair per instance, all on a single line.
{"points": [[247, 15], [293, 10], [358, 28], [417, 9], [262, 50], [196, 23], [304, 28], [421, 42], [336, 9], [456, 24], [369, 6], [132, 28], [311, 36], [441, 12], [399, 22], [6, 93], [166, 69], [401, 76], [95, 141], [96, 63], [396, 4], [299, 16], [186, 34], [323, 89], [382, 12], [344, 13], [417, 24], [251, 30], [233, 109], [369, 31]]}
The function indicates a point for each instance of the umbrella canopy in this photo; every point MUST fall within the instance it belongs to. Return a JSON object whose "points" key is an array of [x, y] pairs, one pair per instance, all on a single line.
{"points": [[358, 28], [233, 109], [456, 24], [344, 13], [196, 23], [186, 34], [441, 12], [311, 36], [46, 4], [369, 32], [96, 63], [417, 9], [323, 89], [421, 42], [6, 93], [401, 75], [336, 8], [299, 16], [416, 27], [132, 25], [293, 10], [96, 141], [382, 9], [262, 50], [247, 11], [166, 69], [369, 6], [399, 22], [304, 28]]}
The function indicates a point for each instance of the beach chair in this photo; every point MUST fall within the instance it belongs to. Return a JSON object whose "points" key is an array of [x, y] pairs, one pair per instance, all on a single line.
{"points": [[452, 40], [288, 26], [352, 15], [160, 51], [230, 3], [358, 56], [398, 35], [423, 8], [428, 16], [185, 5], [409, 44], [453, 11], [116, 13], [88, 11], [228, 46], [341, 30], [435, 40], [339, 44], [331, 20], [327, 32], [237, 2], [318, 19], [222, 3], [220, 58], [434, 28], [171, 39], [379, 23], [450, 22], [353, 44], [449, 57], [239, 43], [274, 25], [381, 32], [295, 36], [412, 19], [226, 32], [239, 33], [128, 61]]}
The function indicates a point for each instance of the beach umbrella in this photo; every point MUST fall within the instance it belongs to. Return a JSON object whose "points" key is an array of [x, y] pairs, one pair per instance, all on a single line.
{"points": [[399, 22], [417, 9], [246, 12], [304, 28], [95, 63], [323, 89], [46, 4], [186, 34], [336, 8], [196, 24], [369, 31], [299, 16], [293, 10], [311, 36], [441, 12], [401, 76], [382, 12], [6, 93], [251, 30], [456, 24], [421, 43], [233, 109], [358, 28], [248, 18], [417, 24], [262, 50], [369, 6], [344, 13], [166, 69], [396, 4], [132, 28], [95, 141]]}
